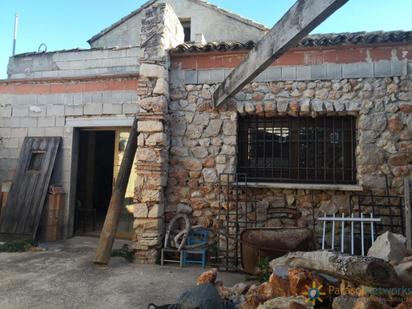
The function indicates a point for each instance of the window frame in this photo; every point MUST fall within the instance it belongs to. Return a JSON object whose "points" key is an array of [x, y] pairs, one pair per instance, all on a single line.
{"points": [[338, 171]]}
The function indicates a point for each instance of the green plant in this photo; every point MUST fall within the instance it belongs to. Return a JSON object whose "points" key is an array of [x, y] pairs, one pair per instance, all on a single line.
{"points": [[18, 246], [264, 269], [124, 252]]}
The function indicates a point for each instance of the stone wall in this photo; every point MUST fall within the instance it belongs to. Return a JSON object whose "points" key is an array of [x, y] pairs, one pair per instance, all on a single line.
{"points": [[161, 30], [203, 140]]}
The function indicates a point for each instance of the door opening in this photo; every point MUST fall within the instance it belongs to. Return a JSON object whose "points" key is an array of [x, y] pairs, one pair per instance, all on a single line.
{"points": [[100, 154]]}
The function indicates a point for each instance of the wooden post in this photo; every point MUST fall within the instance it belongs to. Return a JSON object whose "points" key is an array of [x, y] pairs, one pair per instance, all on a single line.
{"points": [[104, 248], [302, 18], [407, 193]]}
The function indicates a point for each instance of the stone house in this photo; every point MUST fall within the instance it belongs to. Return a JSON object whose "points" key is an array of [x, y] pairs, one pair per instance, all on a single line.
{"points": [[331, 117]]}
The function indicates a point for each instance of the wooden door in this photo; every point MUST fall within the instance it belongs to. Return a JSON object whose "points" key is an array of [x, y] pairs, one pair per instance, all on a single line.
{"points": [[21, 216]]}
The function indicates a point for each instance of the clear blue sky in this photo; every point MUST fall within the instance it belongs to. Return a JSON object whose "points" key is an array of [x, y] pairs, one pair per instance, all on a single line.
{"points": [[69, 24]]}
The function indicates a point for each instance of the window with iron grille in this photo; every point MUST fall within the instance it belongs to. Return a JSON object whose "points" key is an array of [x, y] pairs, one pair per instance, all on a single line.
{"points": [[297, 149]]}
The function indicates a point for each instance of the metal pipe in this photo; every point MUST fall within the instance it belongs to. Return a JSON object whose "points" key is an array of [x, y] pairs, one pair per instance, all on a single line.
{"points": [[338, 219], [324, 234], [352, 240], [342, 236], [16, 24], [362, 236], [333, 232]]}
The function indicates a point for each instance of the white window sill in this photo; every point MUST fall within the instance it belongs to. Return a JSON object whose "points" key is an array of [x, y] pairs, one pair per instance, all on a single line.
{"points": [[301, 186]]}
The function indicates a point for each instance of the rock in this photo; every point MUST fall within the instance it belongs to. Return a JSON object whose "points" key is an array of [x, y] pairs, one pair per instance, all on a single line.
{"points": [[279, 281], [286, 303], [405, 305], [207, 277], [191, 164], [209, 175], [400, 159], [389, 247], [406, 108], [344, 302], [213, 128], [370, 303], [404, 272], [301, 279], [184, 209], [241, 288], [199, 152], [204, 296]]}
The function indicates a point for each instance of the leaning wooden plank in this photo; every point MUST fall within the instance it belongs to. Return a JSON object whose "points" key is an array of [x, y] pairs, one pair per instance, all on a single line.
{"points": [[362, 270], [301, 18], [104, 247], [21, 215]]}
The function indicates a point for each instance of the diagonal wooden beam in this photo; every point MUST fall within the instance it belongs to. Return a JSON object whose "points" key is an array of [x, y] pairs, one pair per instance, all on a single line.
{"points": [[302, 18]]}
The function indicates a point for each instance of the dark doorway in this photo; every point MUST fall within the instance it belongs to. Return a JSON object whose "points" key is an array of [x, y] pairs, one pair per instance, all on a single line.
{"points": [[94, 180]]}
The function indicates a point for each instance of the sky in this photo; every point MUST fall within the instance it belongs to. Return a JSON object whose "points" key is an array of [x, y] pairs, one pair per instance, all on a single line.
{"points": [[62, 24]]}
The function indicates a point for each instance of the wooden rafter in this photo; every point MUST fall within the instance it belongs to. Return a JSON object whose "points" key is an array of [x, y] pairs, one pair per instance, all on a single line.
{"points": [[302, 17]]}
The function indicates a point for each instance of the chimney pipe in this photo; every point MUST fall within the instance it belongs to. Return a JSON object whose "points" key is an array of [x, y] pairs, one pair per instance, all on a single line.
{"points": [[16, 24]]}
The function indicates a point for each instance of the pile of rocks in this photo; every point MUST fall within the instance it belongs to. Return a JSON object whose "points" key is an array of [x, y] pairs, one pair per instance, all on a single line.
{"points": [[383, 279]]}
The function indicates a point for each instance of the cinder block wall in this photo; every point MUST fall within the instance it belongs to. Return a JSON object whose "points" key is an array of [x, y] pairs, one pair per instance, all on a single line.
{"points": [[56, 108]]}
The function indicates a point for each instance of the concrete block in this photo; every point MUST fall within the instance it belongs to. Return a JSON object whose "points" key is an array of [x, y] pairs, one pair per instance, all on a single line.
{"points": [[262, 77], [77, 98], [112, 109], [55, 110], [97, 97], [60, 121], [217, 75], [303, 72], [47, 121], [5, 111], [333, 71], [73, 110], [227, 72], [5, 122], [289, 73], [19, 132], [318, 71], [274, 73], [36, 131], [12, 142], [382, 68], [366, 69], [399, 68], [5, 132], [26, 99], [93, 109], [53, 131], [177, 77], [191, 76], [357, 70], [20, 111], [203, 76], [26, 122], [37, 110], [153, 70], [129, 108], [124, 97]]}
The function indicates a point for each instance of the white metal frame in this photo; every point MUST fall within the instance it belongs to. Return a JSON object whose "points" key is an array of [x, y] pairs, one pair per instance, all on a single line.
{"points": [[352, 220]]}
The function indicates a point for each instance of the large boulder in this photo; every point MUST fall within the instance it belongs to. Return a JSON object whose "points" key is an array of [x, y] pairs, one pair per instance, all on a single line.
{"points": [[389, 247], [203, 296]]}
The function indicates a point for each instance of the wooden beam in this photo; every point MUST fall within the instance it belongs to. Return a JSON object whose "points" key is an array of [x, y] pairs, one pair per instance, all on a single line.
{"points": [[104, 248], [302, 18]]}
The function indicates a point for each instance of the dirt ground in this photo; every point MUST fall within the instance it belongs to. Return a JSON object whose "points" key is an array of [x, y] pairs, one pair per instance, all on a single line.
{"points": [[63, 276]]}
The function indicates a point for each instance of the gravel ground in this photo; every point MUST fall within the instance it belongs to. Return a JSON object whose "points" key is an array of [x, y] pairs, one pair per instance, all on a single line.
{"points": [[63, 276]]}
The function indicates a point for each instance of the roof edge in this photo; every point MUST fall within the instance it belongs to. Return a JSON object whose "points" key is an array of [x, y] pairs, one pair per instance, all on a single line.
{"points": [[200, 2]]}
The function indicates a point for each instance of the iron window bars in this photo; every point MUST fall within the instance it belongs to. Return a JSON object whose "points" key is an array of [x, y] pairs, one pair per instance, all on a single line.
{"points": [[297, 149]]}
